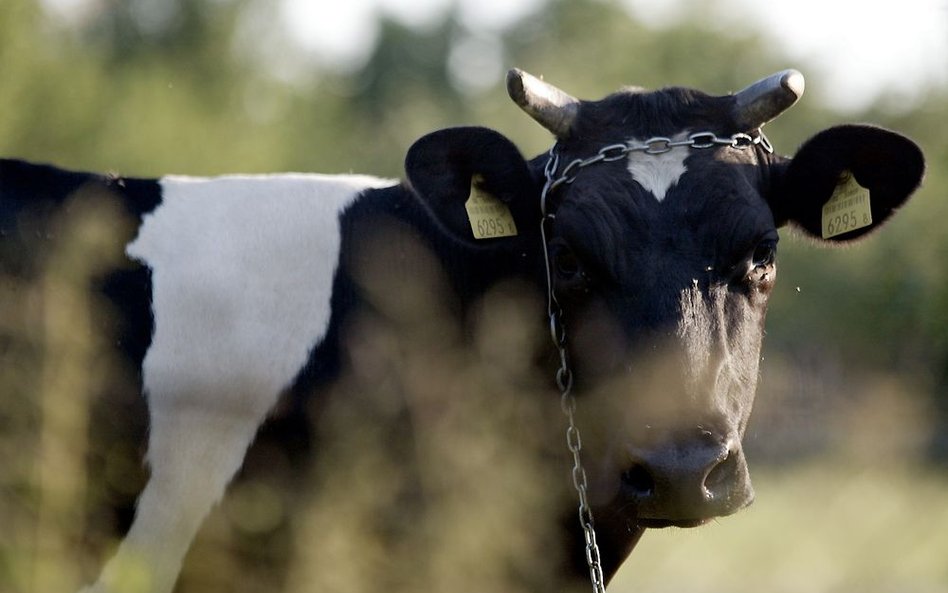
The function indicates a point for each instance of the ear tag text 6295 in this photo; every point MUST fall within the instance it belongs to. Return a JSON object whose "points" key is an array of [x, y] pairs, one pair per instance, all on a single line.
{"points": [[848, 209], [490, 218]]}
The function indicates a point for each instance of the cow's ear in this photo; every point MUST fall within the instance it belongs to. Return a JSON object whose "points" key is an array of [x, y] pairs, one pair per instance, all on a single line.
{"points": [[446, 167], [846, 181]]}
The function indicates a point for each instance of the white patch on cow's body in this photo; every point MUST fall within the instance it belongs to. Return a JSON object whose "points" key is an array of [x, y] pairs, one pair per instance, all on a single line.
{"points": [[242, 273], [658, 173]]}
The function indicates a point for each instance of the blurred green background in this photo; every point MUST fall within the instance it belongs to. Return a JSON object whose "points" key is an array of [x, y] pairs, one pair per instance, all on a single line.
{"points": [[849, 442]]}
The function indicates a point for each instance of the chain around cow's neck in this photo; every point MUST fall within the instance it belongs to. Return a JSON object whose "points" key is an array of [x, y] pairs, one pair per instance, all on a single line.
{"points": [[564, 375]]}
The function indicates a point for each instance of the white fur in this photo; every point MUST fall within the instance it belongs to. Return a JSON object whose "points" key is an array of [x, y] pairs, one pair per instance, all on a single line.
{"points": [[658, 173], [242, 271]]}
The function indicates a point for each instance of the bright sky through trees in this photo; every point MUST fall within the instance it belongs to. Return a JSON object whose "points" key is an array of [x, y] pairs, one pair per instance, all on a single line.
{"points": [[862, 48]]}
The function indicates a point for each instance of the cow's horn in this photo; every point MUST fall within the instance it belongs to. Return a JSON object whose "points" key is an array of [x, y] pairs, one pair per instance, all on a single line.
{"points": [[766, 99], [551, 107]]}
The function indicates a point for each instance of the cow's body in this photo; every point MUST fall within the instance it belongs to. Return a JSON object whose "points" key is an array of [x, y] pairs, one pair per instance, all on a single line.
{"points": [[237, 294], [661, 257]]}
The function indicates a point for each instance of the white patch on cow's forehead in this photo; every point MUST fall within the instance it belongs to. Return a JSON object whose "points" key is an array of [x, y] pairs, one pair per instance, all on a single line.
{"points": [[657, 173], [242, 274]]}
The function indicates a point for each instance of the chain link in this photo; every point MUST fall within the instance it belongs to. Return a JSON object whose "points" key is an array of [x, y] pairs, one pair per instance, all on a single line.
{"points": [[653, 146]]}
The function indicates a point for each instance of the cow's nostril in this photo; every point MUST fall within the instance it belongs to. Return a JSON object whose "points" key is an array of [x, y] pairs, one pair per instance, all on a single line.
{"points": [[638, 480], [722, 473]]}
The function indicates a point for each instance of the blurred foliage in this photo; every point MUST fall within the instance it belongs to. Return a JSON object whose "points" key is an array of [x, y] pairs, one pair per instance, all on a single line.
{"points": [[857, 347], [55, 361]]}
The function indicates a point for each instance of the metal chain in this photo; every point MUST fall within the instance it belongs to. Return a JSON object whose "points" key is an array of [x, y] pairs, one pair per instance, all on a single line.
{"points": [[657, 145], [564, 381], [564, 376]]}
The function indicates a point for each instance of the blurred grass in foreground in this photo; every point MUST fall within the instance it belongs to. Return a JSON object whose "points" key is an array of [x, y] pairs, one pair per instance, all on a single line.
{"points": [[52, 341], [823, 526]]}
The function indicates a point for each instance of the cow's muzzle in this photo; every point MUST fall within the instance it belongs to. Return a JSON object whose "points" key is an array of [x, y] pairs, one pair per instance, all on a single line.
{"points": [[686, 483]]}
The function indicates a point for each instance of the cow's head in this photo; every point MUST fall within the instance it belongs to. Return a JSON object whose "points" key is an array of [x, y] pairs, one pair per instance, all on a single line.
{"points": [[663, 257]]}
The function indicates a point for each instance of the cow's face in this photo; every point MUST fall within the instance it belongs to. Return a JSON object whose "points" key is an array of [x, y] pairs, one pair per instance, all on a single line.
{"points": [[663, 265]]}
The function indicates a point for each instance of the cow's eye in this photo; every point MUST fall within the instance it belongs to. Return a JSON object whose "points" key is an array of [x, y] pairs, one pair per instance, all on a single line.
{"points": [[566, 264], [764, 254]]}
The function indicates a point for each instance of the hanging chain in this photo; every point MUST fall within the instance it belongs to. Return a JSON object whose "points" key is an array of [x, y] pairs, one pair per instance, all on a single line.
{"points": [[564, 381], [564, 375]]}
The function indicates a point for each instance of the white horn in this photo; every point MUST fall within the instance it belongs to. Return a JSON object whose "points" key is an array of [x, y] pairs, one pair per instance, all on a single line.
{"points": [[766, 99], [554, 109]]}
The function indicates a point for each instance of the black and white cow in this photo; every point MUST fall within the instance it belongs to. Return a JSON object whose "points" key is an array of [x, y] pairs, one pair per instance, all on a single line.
{"points": [[662, 256]]}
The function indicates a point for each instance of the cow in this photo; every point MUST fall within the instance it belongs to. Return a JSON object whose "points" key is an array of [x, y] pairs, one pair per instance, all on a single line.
{"points": [[650, 228]]}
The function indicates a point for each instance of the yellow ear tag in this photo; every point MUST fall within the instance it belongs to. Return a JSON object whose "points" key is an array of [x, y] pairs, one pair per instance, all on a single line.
{"points": [[490, 218], [848, 208]]}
